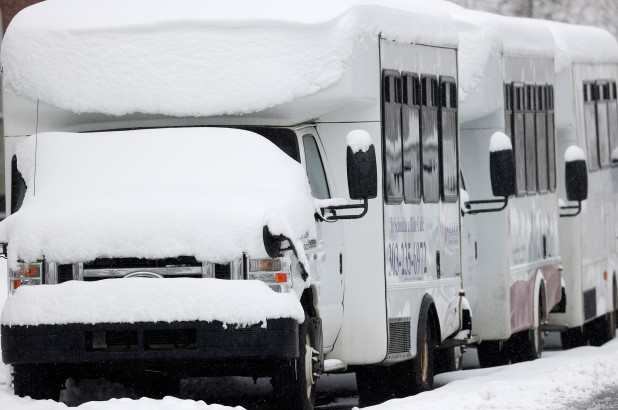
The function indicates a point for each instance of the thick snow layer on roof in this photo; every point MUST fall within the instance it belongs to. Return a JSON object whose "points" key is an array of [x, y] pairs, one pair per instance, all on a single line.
{"points": [[483, 34], [197, 58], [203, 192], [243, 302], [582, 44]]}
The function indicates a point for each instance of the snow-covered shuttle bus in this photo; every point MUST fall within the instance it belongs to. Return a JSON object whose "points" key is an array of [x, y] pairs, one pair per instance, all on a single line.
{"points": [[162, 156], [511, 258], [586, 116]]}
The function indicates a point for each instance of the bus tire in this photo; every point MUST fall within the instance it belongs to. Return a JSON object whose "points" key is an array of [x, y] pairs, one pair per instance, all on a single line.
{"points": [[294, 384], [492, 353], [572, 337]]}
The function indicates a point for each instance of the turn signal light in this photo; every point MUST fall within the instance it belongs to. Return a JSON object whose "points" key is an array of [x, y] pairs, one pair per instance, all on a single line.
{"points": [[30, 271], [281, 277]]}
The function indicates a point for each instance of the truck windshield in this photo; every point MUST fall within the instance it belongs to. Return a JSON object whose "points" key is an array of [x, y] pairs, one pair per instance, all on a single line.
{"points": [[283, 138]]}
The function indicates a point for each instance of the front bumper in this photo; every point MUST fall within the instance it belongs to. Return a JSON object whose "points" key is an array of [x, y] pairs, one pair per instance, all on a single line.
{"points": [[148, 342]]}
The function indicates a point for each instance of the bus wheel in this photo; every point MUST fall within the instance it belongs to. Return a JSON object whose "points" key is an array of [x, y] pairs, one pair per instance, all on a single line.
{"points": [[294, 384], [492, 353], [422, 364], [572, 337], [448, 360]]}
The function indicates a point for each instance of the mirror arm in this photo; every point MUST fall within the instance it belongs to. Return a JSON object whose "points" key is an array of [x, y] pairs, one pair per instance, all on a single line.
{"points": [[364, 206], [578, 207], [503, 201]]}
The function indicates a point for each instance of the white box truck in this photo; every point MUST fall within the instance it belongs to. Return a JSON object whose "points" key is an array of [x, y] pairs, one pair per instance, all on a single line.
{"points": [[204, 162], [586, 116]]}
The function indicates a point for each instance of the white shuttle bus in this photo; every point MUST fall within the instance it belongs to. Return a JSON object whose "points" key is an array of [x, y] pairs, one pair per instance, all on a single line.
{"points": [[216, 156], [586, 116], [511, 260]]}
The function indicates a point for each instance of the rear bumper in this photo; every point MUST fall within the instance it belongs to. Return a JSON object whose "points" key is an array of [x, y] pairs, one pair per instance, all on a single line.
{"points": [[148, 342]]}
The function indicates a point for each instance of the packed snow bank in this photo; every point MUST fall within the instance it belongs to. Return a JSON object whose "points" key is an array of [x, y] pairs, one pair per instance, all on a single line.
{"points": [[243, 302], [196, 58], [550, 383], [582, 44], [203, 192], [9, 401], [500, 142]]}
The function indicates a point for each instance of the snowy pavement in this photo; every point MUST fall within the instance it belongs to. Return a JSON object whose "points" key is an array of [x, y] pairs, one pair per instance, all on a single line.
{"points": [[580, 378]]}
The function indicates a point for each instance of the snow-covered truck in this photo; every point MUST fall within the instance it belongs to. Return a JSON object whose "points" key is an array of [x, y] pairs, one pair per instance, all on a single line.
{"points": [[511, 259], [199, 149], [586, 73]]}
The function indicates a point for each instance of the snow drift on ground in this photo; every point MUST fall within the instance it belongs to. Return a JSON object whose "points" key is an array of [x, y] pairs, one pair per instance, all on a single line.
{"points": [[550, 383], [196, 58], [203, 192], [242, 302]]}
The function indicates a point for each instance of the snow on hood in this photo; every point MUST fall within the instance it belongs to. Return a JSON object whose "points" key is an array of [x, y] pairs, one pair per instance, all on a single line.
{"points": [[203, 192], [582, 44], [198, 58], [150, 300], [483, 34]]}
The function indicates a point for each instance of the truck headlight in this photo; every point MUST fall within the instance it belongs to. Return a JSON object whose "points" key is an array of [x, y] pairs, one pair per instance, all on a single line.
{"points": [[274, 272], [30, 273]]}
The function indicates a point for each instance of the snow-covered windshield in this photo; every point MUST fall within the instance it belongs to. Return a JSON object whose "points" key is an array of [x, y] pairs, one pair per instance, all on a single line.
{"points": [[205, 192]]}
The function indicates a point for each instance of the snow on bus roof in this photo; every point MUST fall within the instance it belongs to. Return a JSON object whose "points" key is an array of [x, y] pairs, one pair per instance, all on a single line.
{"points": [[582, 44], [482, 34], [197, 58]]}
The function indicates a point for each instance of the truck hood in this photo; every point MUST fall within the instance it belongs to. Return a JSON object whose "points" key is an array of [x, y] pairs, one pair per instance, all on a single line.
{"points": [[203, 192]]}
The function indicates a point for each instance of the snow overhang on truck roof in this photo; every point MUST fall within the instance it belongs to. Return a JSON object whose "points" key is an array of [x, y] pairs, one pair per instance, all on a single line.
{"points": [[582, 45], [196, 58], [203, 192], [482, 35]]}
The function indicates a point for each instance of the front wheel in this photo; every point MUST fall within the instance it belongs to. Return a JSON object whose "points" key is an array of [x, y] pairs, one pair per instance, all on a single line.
{"points": [[294, 383]]}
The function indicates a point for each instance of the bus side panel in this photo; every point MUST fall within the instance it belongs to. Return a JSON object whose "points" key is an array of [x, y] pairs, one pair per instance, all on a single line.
{"points": [[422, 240]]}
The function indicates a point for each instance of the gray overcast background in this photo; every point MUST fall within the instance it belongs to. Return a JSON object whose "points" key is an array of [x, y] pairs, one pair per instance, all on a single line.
{"points": [[598, 13]]}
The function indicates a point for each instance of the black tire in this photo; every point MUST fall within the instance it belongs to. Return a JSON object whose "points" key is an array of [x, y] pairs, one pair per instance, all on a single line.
{"points": [[492, 353], [39, 381], [527, 345], [294, 383], [374, 385], [448, 360], [423, 363], [573, 337], [601, 330]]}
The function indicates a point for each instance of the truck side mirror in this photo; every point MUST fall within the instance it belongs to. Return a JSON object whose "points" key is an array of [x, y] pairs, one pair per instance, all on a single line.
{"points": [[501, 165], [576, 177], [576, 174], [502, 175], [361, 164]]}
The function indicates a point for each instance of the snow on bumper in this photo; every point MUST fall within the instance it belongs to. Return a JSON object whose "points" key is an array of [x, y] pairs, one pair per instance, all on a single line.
{"points": [[149, 319]]}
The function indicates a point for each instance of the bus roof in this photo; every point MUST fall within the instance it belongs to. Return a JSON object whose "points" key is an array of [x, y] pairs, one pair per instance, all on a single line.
{"points": [[197, 58]]}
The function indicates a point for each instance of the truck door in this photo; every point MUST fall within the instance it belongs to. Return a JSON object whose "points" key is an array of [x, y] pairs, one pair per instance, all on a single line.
{"points": [[326, 257]]}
